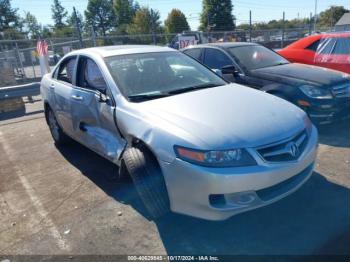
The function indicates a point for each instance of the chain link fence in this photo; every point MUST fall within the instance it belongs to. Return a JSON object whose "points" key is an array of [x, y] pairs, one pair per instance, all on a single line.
{"points": [[19, 62]]}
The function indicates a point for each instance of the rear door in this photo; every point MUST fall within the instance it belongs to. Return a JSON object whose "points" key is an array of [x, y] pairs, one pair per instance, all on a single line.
{"points": [[93, 111], [61, 88], [340, 57], [324, 53]]}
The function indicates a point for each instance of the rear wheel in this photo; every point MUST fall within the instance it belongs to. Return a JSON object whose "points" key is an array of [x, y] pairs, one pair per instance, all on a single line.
{"points": [[57, 133], [148, 180]]}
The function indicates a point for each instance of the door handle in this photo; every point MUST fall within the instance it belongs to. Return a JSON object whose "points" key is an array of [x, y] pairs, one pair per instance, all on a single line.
{"points": [[78, 98], [52, 86]]}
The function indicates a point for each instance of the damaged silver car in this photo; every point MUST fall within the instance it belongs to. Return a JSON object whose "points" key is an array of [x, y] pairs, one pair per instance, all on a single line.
{"points": [[191, 142]]}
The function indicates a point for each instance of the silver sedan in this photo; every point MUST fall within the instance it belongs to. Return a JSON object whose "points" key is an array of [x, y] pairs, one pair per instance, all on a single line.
{"points": [[191, 142]]}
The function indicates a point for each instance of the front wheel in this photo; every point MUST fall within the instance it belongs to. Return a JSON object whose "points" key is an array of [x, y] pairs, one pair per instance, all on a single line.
{"points": [[148, 180]]}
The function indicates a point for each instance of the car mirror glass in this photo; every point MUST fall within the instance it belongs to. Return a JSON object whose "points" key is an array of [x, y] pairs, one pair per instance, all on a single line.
{"points": [[229, 70]]}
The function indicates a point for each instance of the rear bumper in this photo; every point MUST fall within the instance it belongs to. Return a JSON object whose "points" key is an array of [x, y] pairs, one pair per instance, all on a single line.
{"points": [[219, 193]]}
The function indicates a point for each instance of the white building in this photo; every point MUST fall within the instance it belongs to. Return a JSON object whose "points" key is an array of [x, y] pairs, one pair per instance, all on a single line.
{"points": [[343, 24]]}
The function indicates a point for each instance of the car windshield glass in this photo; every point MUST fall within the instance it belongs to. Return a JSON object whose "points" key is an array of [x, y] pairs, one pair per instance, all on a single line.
{"points": [[154, 75], [255, 57]]}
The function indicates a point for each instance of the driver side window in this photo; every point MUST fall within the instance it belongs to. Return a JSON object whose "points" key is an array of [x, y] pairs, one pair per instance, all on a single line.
{"points": [[90, 75], [216, 59]]}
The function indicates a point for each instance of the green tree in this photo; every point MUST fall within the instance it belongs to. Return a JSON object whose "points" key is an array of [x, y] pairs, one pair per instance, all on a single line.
{"points": [[145, 21], [176, 22], [217, 15], [72, 23], [10, 24], [59, 14], [100, 15], [330, 16], [32, 27], [46, 32], [124, 11]]}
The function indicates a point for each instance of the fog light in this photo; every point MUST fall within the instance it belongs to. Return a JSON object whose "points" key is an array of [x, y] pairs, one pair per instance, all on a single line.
{"points": [[246, 199]]}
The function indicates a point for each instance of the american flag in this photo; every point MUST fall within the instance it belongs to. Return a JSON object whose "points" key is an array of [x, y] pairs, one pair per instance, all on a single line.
{"points": [[42, 48]]}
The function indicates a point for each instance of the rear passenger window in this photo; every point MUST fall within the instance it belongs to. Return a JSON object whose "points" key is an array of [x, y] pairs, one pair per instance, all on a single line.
{"points": [[342, 46], [194, 53], [216, 59], [66, 70], [313, 46], [326, 46]]}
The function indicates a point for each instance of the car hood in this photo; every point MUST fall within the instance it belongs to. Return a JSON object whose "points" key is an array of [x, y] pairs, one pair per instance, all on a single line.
{"points": [[298, 74], [227, 116]]}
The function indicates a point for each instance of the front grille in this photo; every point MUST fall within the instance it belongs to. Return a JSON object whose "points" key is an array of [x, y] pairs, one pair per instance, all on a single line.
{"points": [[341, 90], [287, 150]]}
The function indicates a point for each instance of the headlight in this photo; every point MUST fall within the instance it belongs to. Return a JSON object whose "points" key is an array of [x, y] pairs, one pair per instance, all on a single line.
{"points": [[216, 158], [315, 92]]}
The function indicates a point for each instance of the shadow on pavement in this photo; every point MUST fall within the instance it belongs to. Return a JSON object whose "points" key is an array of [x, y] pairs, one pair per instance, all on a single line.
{"points": [[336, 134], [313, 220], [19, 113]]}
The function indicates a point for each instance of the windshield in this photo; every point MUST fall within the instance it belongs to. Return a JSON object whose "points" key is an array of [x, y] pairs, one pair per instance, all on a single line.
{"points": [[255, 57], [156, 74]]}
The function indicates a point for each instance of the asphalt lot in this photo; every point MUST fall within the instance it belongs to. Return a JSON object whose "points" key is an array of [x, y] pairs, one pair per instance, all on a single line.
{"points": [[68, 201]]}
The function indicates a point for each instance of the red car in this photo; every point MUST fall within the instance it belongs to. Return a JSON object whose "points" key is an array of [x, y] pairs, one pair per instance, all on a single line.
{"points": [[327, 50]]}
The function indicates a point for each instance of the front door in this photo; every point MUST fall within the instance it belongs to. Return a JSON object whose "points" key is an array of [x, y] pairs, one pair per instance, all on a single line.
{"points": [[216, 59], [93, 112]]}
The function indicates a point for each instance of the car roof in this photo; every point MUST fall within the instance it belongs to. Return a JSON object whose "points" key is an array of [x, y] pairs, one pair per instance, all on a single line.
{"points": [[107, 51], [308, 40], [224, 45]]}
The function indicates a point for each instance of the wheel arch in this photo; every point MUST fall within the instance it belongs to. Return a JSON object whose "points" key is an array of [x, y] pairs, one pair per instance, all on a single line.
{"points": [[133, 141], [47, 107]]}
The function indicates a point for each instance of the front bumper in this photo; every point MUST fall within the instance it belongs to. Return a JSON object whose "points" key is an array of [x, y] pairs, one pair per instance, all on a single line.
{"points": [[193, 189], [328, 112]]}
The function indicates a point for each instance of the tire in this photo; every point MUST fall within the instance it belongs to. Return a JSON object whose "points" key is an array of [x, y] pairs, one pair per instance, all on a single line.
{"points": [[56, 131], [148, 179]]}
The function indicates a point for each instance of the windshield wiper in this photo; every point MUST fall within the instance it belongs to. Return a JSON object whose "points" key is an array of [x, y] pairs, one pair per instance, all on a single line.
{"points": [[143, 97], [192, 88], [149, 96], [281, 63]]}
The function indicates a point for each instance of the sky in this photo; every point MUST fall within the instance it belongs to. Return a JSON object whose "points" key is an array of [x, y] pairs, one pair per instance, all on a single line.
{"points": [[262, 11]]}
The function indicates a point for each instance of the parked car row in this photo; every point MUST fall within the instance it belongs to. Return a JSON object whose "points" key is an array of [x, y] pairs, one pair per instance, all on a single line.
{"points": [[192, 142], [324, 94]]}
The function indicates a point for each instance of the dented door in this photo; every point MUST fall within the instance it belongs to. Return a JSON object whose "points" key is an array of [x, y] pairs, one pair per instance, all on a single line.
{"points": [[94, 125], [93, 112]]}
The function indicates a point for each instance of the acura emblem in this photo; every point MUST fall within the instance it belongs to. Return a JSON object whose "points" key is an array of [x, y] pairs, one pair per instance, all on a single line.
{"points": [[292, 149]]}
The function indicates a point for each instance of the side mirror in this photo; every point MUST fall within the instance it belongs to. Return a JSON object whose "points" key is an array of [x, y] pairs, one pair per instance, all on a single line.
{"points": [[229, 70], [103, 98], [101, 88]]}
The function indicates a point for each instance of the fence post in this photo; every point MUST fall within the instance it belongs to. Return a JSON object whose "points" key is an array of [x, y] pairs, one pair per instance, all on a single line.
{"points": [[20, 60], [282, 40], [93, 36], [250, 25], [310, 24]]}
